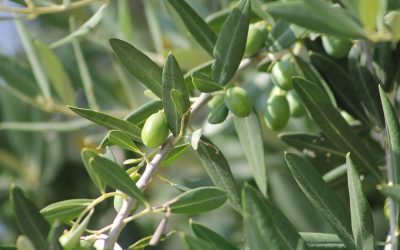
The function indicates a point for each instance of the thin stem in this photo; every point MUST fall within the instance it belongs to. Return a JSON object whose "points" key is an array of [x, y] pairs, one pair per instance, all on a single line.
{"points": [[142, 183], [83, 70], [46, 9]]}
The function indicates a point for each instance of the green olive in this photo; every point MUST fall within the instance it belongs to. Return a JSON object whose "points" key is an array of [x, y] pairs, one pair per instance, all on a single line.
{"points": [[276, 113], [256, 38], [295, 105], [219, 111], [155, 130], [282, 73], [336, 47], [215, 101], [238, 102]]}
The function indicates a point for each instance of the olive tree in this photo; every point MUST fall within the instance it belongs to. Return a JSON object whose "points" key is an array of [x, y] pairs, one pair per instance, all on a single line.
{"points": [[323, 73]]}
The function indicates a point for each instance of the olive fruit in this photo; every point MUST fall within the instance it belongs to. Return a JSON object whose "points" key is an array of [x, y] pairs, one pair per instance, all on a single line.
{"points": [[155, 130], [336, 47], [238, 102], [256, 38], [282, 73], [295, 105], [276, 113]]}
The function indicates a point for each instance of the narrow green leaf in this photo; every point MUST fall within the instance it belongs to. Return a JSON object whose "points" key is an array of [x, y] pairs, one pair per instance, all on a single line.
{"points": [[191, 242], [319, 241], [196, 25], [71, 238], [308, 72], [283, 35], [139, 116], [361, 215], [139, 65], [322, 197], [144, 242], [172, 78], [195, 138], [231, 43], [109, 122], [249, 131], [333, 125], [393, 135], [317, 148], [122, 140], [217, 241], [299, 14], [218, 113], [28, 218], [341, 83], [114, 176], [177, 100], [56, 72], [216, 20], [198, 200], [366, 86], [174, 154], [64, 211], [259, 229], [368, 13], [204, 83], [218, 169], [18, 76], [89, 25], [86, 156], [336, 18], [384, 65]]}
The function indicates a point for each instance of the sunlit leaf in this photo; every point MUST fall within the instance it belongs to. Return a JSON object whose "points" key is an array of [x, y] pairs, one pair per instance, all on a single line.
{"points": [[65, 211]]}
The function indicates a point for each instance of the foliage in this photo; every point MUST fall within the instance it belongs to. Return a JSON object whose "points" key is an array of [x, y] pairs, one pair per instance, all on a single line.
{"points": [[219, 79]]}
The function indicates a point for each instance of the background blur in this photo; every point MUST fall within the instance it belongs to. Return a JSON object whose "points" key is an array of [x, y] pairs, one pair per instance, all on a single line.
{"points": [[46, 162]]}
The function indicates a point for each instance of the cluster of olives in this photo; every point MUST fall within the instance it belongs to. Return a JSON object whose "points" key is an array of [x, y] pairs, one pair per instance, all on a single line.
{"points": [[282, 102]]}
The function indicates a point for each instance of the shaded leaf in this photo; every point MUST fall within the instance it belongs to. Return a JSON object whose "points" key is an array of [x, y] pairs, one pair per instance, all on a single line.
{"points": [[231, 43], [28, 218], [217, 241], [319, 241], [198, 200], [172, 78], [56, 72], [196, 25], [23, 243], [65, 211], [361, 215], [139, 65], [139, 116], [86, 156], [109, 122], [175, 153], [259, 229], [316, 147], [333, 125], [71, 238], [322, 197], [341, 83], [366, 86], [283, 35], [204, 83], [249, 132], [114, 176], [122, 140], [218, 169], [191, 242], [393, 135], [391, 191]]}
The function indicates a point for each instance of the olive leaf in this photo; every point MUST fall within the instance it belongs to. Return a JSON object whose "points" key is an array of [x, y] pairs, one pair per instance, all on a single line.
{"points": [[139, 116], [172, 79], [283, 35], [65, 210], [195, 24], [204, 83], [139, 65], [231, 43], [29, 220], [214, 239], [191, 242], [86, 156], [122, 140]]}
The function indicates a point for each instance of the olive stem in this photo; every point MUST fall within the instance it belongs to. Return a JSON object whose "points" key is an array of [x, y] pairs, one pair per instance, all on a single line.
{"points": [[144, 180]]}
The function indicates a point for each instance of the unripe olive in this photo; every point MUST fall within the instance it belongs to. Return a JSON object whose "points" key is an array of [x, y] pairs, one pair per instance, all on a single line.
{"points": [[336, 47], [155, 130], [215, 101], [238, 102], [295, 105], [256, 37], [276, 113], [282, 73]]}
